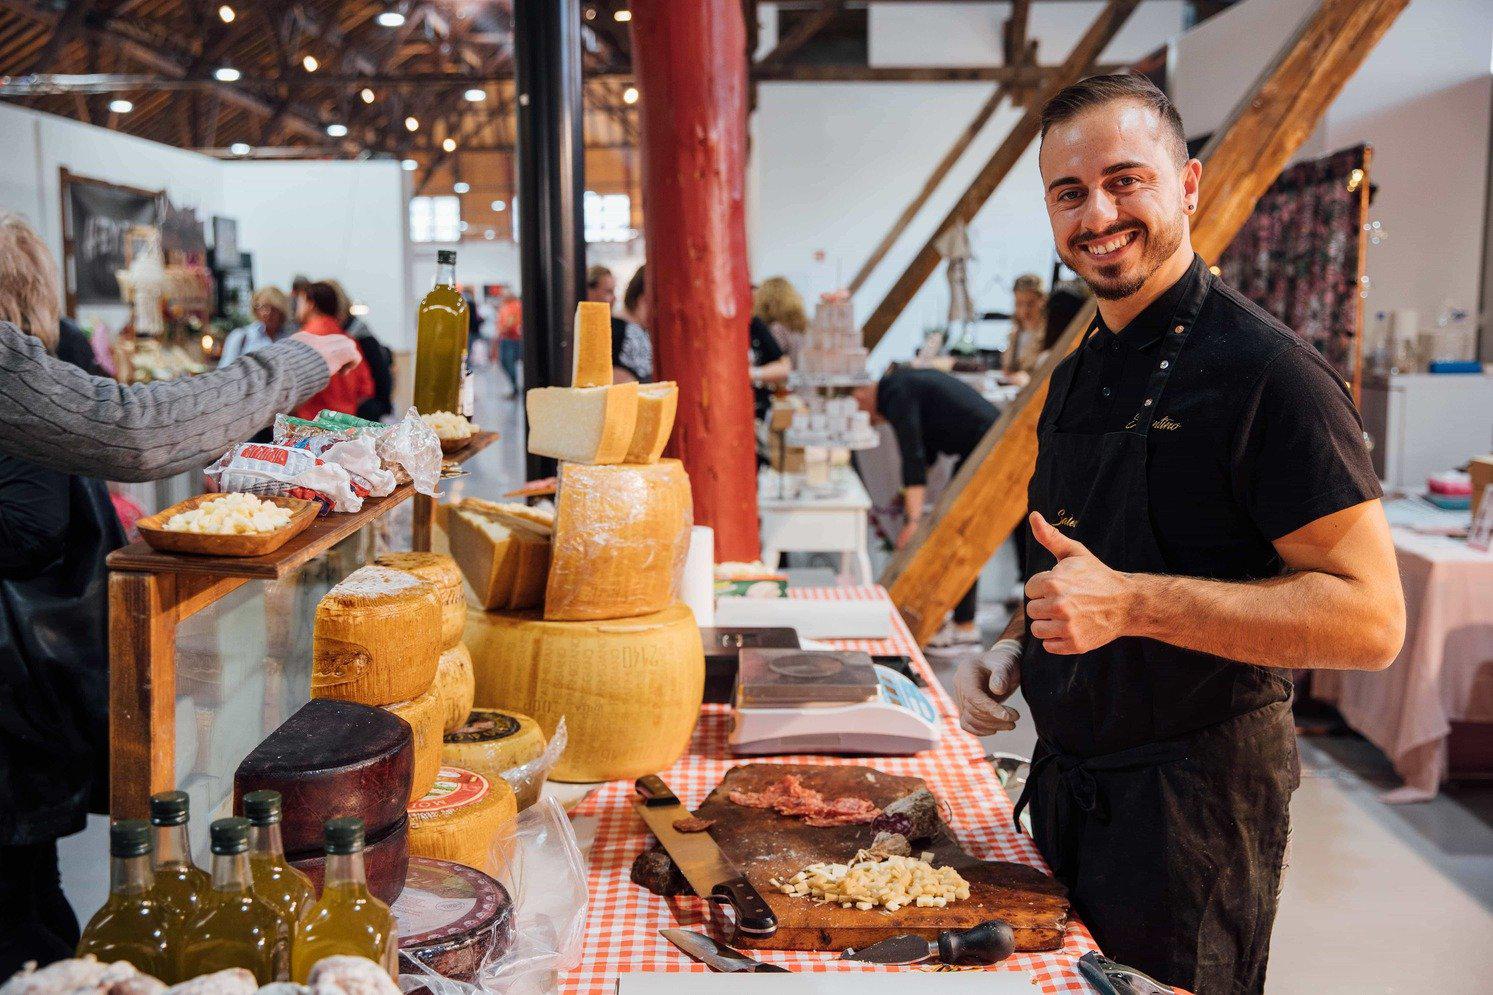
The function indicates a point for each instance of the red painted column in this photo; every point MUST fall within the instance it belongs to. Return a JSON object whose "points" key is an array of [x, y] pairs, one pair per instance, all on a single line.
{"points": [[689, 60]]}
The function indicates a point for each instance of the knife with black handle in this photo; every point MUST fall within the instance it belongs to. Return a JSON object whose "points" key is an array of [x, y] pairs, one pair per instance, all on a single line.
{"points": [[700, 861], [988, 943]]}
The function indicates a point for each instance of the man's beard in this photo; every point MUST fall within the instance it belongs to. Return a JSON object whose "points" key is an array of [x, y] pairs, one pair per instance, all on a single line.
{"points": [[1111, 282]]}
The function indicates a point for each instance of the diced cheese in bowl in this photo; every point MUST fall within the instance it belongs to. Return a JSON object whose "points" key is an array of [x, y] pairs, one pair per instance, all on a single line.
{"points": [[231, 514], [447, 425]]}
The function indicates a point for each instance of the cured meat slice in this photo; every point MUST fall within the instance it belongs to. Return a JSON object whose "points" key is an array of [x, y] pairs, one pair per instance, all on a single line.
{"points": [[693, 825], [789, 797]]}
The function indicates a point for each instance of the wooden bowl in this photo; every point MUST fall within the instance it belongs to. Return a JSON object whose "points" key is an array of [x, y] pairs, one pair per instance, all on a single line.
{"points": [[449, 446], [153, 531]]}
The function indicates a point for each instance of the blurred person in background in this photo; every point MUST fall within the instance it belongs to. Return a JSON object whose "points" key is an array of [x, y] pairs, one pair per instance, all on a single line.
{"points": [[634, 358], [778, 304], [511, 338], [1028, 328], [768, 365], [601, 287], [475, 351], [55, 531], [271, 310], [298, 287], [345, 390], [376, 356]]}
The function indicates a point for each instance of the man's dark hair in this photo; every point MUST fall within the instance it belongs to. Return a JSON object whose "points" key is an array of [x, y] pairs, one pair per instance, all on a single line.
{"points": [[1099, 90], [300, 283], [323, 297]]}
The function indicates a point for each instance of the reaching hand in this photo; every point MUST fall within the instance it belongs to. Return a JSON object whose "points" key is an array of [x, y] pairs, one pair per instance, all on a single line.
{"points": [[339, 352], [982, 683], [1080, 604]]}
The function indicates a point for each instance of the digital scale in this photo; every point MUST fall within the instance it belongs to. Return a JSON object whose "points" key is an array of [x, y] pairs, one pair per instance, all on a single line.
{"points": [[806, 701]]}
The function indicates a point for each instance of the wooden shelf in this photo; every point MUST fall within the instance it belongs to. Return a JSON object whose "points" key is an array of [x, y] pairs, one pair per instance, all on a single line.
{"points": [[320, 536]]}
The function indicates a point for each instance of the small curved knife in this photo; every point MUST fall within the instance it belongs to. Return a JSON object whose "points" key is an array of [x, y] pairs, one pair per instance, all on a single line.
{"points": [[717, 955]]}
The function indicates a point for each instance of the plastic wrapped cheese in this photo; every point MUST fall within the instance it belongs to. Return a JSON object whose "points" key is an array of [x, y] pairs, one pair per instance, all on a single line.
{"points": [[628, 689], [446, 576], [376, 638], [620, 541], [491, 741]]}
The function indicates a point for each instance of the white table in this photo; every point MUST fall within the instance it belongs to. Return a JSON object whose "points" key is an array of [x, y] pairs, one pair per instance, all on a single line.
{"points": [[814, 524]]}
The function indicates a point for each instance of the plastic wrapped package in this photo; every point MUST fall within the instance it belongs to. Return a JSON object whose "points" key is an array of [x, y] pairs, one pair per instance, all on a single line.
{"points": [[257, 468], [527, 780], [461, 935], [620, 540], [409, 447], [345, 447]]}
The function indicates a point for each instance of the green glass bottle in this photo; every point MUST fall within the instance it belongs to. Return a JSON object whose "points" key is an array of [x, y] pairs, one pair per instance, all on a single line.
{"points": [[131, 925], [348, 919], [182, 888], [236, 928], [441, 341], [275, 881]]}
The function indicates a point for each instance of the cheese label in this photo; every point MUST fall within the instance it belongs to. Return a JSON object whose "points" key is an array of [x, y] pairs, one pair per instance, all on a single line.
{"points": [[453, 788], [484, 727], [443, 901]]}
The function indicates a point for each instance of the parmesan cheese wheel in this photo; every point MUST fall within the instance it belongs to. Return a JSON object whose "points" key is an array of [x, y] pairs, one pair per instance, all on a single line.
{"points": [[591, 364], [376, 638], [582, 424], [426, 715], [505, 568], [455, 685], [443, 572], [492, 741], [621, 536], [629, 689], [466, 818], [657, 404]]}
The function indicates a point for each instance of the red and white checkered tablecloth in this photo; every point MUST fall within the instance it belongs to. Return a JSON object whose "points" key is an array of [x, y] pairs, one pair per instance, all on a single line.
{"points": [[624, 920]]}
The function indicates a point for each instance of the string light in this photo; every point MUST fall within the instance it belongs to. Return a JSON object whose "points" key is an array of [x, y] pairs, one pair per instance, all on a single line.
{"points": [[310, 63], [461, 186], [226, 14], [622, 16], [367, 95], [412, 123], [449, 145], [120, 106], [337, 130], [476, 95], [226, 74], [630, 95], [239, 148], [390, 19], [1355, 180], [409, 165], [498, 205]]}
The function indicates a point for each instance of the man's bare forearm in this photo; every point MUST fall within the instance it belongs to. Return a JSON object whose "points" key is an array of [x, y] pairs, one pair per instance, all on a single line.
{"points": [[1307, 619], [1016, 628]]}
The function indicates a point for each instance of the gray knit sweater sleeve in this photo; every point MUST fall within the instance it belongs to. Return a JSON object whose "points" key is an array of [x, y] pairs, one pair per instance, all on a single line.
{"points": [[55, 415]]}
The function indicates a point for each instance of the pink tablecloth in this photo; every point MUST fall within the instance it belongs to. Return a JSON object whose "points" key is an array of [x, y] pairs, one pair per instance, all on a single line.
{"points": [[1444, 674]]}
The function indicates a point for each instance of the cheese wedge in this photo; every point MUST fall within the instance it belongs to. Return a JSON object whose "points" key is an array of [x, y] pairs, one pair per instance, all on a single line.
{"points": [[376, 637], [621, 536], [657, 404], [455, 684], [629, 689], [582, 424], [492, 741], [446, 576], [426, 715], [506, 564], [466, 818], [591, 364]]}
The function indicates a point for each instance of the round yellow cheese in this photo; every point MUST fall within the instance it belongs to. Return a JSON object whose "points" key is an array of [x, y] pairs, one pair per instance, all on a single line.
{"points": [[376, 638], [467, 818], [629, 689], [443, 572], [492, 741], [455, 684], [426, 715]]}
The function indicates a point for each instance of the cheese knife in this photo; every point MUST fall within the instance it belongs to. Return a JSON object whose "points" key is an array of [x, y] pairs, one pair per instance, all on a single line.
{"points": [[1111, 978], [988, 943], [717, 955], [708, 871]]}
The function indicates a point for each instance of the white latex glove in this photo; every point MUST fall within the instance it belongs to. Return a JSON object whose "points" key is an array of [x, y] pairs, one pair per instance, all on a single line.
{"points": [[339, 352], [982, 683]]}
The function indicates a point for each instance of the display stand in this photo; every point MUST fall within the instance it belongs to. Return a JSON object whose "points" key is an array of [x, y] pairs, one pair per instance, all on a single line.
{"points": [[153, 594]]}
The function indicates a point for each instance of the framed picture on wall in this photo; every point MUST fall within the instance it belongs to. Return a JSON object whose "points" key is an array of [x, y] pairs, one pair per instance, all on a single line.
{"points": [[97, 217], [225, 238]]}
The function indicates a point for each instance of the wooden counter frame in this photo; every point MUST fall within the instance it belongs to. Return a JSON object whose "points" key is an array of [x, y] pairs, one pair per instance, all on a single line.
{"points": [[151, 594]]}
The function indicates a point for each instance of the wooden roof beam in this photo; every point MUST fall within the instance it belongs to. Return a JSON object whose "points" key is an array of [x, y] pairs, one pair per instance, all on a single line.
{"points": [[808, 73], [803, 32]]}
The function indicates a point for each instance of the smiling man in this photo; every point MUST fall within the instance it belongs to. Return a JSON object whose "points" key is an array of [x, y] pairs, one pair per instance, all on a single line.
{"points": [[1204, 520]]}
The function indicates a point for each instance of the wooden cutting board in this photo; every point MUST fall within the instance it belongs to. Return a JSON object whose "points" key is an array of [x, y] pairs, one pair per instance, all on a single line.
{"points": [[766, 845]]}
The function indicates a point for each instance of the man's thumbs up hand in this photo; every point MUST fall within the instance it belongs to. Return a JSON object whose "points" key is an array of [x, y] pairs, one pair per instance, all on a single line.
{"points": [[1080, 604]]}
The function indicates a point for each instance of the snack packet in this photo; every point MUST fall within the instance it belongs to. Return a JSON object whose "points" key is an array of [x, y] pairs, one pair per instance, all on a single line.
{"points": [[408, 445], [353, 452], [258, 468]]}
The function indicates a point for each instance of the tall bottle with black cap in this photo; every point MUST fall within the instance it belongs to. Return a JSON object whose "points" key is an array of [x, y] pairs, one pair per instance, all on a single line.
{"points": [[182, 888], [236, 928], [131, 925], [441, 341], [275, 880], [348, 919]]}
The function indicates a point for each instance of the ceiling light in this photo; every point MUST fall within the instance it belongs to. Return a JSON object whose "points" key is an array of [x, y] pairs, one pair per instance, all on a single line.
{"points": [[239, 148], [498, 205], [226, 13], [489, 234], [358, 310], [409, 165], [630, 95], [462, 226], [412, 123], [461, 186], [390, 19], [337, 129], [622, 16], [449, 145], [476, 94], [590, 13], [226, 74], [310, 63], [120, 106], [367, 95]]}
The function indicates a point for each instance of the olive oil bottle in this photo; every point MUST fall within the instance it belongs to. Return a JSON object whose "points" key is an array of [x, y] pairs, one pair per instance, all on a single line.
{"points": [[348, 919], [182, 888], [131, 925], [276, 882], [441, 341], [236, 928]]}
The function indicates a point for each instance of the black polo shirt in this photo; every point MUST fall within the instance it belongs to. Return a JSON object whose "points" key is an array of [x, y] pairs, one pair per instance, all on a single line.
{"points": [[1254, 437], [931, 412]]}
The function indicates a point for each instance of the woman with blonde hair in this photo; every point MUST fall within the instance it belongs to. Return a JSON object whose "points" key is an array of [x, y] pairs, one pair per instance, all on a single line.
{"points": [[780, 306], [1028, 327], [271, 310]]}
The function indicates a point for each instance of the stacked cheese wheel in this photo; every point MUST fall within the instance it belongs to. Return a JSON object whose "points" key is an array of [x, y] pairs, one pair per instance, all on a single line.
{"points": [[583, 620]]}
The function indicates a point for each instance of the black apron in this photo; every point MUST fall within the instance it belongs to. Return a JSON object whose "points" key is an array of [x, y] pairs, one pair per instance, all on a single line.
{"points": [[1161, 779]]}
